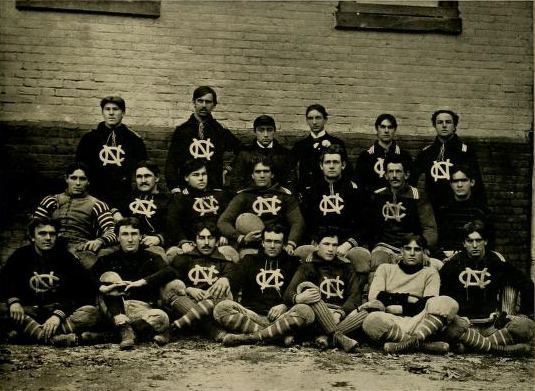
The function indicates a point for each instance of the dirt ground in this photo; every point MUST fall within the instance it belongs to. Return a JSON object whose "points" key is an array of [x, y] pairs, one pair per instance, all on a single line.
{"points": [[195, 364]]}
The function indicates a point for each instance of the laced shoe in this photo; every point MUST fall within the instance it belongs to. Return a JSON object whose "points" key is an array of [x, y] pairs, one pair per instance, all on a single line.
{"points": [[127, 337], [346, 343], [409, 345], [94, 338], [435, 347], [65, 340], [161, 339], [288, 340], [239, 339], [322, 342]]}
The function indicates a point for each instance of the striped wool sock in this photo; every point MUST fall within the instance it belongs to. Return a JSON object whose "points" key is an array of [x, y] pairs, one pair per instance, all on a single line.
{"points": [[429, 325], [284, 325], [31, 328], [501, 337], [395, 334], [351, 322], [240, 323], [474, 339], [324, 316], [182, 304], [199, 310]]}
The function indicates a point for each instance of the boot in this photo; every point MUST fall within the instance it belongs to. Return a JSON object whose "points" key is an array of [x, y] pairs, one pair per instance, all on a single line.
{"points": [[239, 339], [322, 342], [65, 340], [519, 350], [346, 343], [93, 338], [409, 345], [436, 347], [127, 337]]}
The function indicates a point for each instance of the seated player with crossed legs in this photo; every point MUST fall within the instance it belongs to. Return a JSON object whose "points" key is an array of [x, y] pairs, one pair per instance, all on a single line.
{"points": [[478, 278], [42, 286], [199, 282], [331, 287], [127, 295], [413, 309], [263, 314]]}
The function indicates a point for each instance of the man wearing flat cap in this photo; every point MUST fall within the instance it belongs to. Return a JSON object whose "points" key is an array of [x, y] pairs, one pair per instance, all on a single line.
{"points": [[111, 151], [264, 145]]}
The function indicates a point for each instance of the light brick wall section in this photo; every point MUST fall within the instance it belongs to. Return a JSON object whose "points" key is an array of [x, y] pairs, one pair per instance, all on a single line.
{"points": [[268, 57]]}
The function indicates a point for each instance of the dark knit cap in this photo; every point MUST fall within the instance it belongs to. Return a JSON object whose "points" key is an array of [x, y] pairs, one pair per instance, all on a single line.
{"points": [[263, 120]]}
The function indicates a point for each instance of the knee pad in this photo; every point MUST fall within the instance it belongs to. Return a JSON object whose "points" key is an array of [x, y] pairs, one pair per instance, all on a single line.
{"points": [[171, 289], [304, 286], [443, 306], [360, 259], [376, 325], [86, 316], [304, 311], [108, 278], [457, 327], [521, 328], [121, 319], [157, 319], [221, 309]]}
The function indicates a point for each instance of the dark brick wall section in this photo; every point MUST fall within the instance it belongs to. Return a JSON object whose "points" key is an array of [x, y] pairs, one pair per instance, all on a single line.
{"points": [[34, 155]]}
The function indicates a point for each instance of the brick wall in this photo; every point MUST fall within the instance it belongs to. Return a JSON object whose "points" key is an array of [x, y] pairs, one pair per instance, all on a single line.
{"points": [[263, 57], [268, 57]]}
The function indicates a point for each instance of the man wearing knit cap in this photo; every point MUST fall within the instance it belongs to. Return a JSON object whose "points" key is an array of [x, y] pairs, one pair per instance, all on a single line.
{"points": [[265, 144], [436, 160], [111, 151], [200, 137]]}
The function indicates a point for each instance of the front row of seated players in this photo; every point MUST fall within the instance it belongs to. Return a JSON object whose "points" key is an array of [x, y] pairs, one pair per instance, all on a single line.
{"points": [[41, 283]]}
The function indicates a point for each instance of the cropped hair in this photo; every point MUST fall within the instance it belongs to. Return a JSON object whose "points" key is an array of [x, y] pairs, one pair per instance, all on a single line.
{"points": [[453, 114], [475, 226], [192, 165], [72, 167], [150, 165], [127, 221], [332, 150], [113, 99], [202, 91], [275, 228], [466, 169], [387, 116], [318, 107], [37, 221], [209, 225], [419, 239]]}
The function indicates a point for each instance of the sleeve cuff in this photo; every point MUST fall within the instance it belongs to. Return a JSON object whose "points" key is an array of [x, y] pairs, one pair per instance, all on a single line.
{"points": [[13, 300], [60, 314], [353, 242]]}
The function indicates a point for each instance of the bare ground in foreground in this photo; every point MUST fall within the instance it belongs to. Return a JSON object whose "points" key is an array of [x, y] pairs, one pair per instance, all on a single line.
{"points": [[195, 364]]}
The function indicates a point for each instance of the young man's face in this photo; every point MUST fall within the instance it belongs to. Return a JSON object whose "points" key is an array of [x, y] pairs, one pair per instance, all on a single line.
{"points": [[395, 175], [461, 185], [77, 183], [205, 241], [475, 245], [272, 243], [113, 115], [264, 134], [332, 165], [385, 131], [204, 105], [129, 238], [316, 122], [262, 175], [444, 125], [146, 181], [412, 253], [197, 179], [327, 248], [44, 237]]}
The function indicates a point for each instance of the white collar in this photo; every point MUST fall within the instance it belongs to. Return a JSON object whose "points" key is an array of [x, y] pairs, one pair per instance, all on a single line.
{"points": [[268, 147], [319, 135]]}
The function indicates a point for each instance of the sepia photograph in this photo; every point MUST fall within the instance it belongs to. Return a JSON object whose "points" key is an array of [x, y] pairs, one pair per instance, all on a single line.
{"points": [[265, 195]]}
